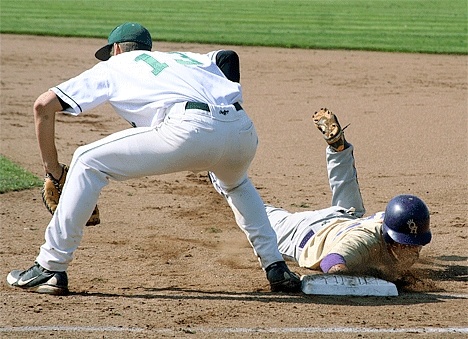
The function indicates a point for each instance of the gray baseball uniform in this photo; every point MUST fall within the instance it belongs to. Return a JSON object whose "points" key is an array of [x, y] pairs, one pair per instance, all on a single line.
{"points": [[323, 238]]}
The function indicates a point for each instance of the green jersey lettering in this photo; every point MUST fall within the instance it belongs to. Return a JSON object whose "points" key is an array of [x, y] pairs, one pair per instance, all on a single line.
{"points": [[157, 66], [186, 60]]}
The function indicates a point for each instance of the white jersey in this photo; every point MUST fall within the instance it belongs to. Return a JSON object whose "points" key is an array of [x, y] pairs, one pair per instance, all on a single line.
{"points": [[140, 85]]}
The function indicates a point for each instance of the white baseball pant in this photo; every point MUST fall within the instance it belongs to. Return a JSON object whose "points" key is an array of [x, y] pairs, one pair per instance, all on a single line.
{"points": [[223, 141]]}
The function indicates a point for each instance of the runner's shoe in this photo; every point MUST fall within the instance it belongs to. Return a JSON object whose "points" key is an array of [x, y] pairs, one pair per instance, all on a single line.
{"points": [[282, 279], [328, 124], [38, 279]]}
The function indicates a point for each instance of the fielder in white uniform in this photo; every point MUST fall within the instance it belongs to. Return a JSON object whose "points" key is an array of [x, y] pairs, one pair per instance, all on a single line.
{"points": [[338, 238], [186, 116]]}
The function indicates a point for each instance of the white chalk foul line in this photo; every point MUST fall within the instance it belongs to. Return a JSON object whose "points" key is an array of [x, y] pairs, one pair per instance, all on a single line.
{"points": [[69, 329], [237, 329], [335, 330]]}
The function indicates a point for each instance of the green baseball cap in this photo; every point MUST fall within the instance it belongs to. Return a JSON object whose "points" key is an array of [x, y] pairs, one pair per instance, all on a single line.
{"points": [[127, 32]]}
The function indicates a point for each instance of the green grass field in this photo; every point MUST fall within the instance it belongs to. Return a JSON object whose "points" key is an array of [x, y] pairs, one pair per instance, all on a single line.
{"points": [[427, 26], [14, 178]]}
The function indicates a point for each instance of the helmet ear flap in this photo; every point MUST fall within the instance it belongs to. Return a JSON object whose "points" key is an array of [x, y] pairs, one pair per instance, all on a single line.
{"points": [[406, 221], [387, 237]]}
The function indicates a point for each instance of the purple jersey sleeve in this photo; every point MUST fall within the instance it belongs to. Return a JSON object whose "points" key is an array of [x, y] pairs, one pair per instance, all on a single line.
{"points": [[331, 260]]}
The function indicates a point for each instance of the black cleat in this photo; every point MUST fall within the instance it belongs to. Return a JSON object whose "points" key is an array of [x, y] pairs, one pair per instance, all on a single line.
{"points": [[282, 279], [38, 279]]}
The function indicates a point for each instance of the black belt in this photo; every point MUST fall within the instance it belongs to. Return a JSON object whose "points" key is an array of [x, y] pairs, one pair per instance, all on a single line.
{"points": [[205, 107]]}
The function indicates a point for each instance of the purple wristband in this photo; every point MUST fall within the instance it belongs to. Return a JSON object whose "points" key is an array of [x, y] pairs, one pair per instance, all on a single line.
{"points": [[331, 260]]}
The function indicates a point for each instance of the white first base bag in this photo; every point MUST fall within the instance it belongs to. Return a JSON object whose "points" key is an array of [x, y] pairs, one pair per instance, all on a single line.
{"points": [[337, 284]]}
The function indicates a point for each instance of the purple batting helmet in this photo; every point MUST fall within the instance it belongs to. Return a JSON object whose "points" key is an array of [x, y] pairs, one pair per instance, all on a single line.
{"points": [[406, 221]]}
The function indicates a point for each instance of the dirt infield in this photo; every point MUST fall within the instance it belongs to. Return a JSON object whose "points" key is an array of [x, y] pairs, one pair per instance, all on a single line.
{"points": [[168, 259]]}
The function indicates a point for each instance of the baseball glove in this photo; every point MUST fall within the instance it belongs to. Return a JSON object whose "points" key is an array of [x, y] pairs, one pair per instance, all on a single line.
{"points": [[52, 189]]}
